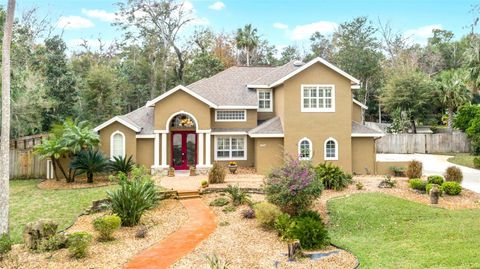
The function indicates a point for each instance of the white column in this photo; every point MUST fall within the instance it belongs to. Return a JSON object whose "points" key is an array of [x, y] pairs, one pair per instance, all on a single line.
{"points": [[156, 151], [207, 149], [200, 149], [164, 149]]}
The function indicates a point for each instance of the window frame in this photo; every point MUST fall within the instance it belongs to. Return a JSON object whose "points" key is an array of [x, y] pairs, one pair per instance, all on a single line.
{"points": [[270, 109], [335, 158], [230, 157], [300, 149], [324, 109], [111, 144], [234, 120]]}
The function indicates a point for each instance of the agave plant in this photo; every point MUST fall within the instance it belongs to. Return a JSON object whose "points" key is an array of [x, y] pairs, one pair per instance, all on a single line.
{"points": [[89, 162], [121, 164]]}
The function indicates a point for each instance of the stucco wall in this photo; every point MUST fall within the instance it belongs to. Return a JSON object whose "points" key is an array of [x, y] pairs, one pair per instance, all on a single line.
{"points": [[383, 168], [268, 154], [279, 102], [356, 113], [181, 101], [251, 121], [130, 139], [145, 152], [363, 155], [318, 126]]}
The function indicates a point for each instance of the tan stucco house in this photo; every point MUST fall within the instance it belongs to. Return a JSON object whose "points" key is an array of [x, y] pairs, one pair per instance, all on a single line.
{"points": [[251, 115]]}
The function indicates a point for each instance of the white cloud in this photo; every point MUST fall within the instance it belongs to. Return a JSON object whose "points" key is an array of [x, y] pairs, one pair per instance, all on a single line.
{"points": [[74, 22], [190, 10], [217, 5], [100, 14], [279, 25], [301, 32], [421, 34]]}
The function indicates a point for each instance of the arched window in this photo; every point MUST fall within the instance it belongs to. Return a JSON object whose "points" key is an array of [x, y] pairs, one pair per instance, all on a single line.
{"points": [[331, 149], [305, 149], [117, 145]]}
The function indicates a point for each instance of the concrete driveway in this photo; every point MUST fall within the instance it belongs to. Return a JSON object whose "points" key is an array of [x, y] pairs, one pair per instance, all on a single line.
{"points": [[436, 165]]}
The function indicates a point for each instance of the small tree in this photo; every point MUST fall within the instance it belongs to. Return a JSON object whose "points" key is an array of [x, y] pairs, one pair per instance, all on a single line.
{"points": [[465, 115]]}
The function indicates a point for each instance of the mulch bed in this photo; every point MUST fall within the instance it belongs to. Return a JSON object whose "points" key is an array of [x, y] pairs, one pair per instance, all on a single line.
{"points": [[162, 221], [80, 183]]}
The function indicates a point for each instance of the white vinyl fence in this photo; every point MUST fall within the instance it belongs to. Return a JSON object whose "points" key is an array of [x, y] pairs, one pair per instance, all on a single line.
{"points": [[423, 143]]}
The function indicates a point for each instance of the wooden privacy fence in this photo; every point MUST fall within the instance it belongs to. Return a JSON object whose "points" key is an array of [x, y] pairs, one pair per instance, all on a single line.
{"points": [[25, 164], [423, 143]]}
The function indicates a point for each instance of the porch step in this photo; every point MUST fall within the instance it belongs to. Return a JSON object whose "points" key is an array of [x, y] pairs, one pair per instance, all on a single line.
{"points": [[188, 194]]}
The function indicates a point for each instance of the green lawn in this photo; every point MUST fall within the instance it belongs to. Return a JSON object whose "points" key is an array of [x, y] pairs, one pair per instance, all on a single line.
{"points": [[464, 159], [389, 232], [28, 203]]}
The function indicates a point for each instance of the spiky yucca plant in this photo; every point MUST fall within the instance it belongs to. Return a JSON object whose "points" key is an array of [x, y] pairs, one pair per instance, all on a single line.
{"points": [[122, 164]]}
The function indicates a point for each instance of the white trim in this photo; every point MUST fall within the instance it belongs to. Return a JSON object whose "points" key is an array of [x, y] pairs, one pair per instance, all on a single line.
{"points": [[167, 127], [237, 107], [111, 143], [355, 87], [50, 172], [325, 149], [145, 136], [259, 86], [156, 150], [204, 166], [229, 133], [367, 135], [164, 149], [359, 103], [200, 149], [120, 120], [208, 150], [178, 88], [329, 109], [204, 131], [299, 151], [271, 100], [244, 113], [245, 143], [160, 131], [266, 135], [305, 66]]}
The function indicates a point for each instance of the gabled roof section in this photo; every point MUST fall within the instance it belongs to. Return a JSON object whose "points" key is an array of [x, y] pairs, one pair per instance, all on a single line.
{"points": [[290, 69], [185, 89], [360, 104], [360, 130], [120, 120], [270, 128]]}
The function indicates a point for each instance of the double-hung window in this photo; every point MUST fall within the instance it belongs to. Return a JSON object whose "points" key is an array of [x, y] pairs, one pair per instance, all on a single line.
{"points": [[318, 98], [230, 115], [265, 100], [230, 147]]}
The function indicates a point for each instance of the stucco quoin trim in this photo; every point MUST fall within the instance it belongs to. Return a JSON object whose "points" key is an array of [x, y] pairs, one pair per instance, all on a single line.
{"points": [[182, 88], [119, 120]]}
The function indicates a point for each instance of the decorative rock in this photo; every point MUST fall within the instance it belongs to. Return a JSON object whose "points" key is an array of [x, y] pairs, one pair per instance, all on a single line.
{"points": [[141, 232], [35, 232], [99, 206], [434, 194]]}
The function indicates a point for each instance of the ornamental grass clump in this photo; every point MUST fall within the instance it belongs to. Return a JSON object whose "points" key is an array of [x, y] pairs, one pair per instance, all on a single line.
{"points": [[293, 187], [217, 174], [453, 173], [332, 177]]}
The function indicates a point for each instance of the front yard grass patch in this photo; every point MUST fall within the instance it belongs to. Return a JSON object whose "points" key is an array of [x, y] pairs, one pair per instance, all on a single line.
{"points": [[465, 159], [29, 203], [390, 232]]}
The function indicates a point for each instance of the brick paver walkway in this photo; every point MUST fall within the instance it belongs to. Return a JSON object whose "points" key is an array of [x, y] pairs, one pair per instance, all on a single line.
{"points": [[201, 223]]}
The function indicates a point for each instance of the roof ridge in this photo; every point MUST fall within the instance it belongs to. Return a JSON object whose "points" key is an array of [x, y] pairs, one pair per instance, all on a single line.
{"points": [[275, 70]]}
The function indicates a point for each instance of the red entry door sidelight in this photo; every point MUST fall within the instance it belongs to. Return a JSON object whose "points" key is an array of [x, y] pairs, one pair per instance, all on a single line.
{"points": [[184, 149]]}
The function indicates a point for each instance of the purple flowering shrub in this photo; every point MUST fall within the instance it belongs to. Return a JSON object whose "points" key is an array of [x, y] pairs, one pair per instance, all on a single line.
{"points": [[293, 187]]}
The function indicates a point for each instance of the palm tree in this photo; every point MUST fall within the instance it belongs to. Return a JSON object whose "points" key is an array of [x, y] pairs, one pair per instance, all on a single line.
{"points": [[247, 39], [89, 162], [453, 91], [472, 59], [5, 136], [79, 135], [53, 148]]}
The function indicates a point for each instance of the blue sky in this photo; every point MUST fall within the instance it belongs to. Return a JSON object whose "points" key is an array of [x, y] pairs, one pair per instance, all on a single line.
{"points": [[282, 22]]}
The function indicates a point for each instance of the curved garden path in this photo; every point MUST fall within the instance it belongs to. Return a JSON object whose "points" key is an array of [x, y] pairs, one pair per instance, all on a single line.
{"points": [[200, 225]]}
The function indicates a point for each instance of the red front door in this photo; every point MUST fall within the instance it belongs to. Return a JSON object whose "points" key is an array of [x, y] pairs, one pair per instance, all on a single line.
{"points": [[184, 149]]}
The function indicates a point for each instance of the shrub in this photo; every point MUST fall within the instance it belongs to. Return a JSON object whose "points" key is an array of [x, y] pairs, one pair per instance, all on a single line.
{"points": [[309, 229], [135, 196], [387, 182], [89, 162], [453, 173], [229, 208], [106, 226], [429, 186], [121, 164], [220, 201], [266, 213], [282, 223], [359, 185], [476, 162], [204, 183], [238, 196], [451, 188], [54, 242], [217, 174], [248, 213], [397, 171], [435, 180], [414, 169], [5, 244], [214, 262], [417, 184], [78, 243], [465, 114], [293, 187], [332, 177]]}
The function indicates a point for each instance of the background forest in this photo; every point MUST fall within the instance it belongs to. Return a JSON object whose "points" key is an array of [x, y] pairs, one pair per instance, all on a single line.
{"points": [[402, 82]]}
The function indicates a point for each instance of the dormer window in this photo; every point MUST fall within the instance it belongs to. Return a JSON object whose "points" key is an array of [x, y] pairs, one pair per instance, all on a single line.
{"points": [[265, 100], [318, 98]]}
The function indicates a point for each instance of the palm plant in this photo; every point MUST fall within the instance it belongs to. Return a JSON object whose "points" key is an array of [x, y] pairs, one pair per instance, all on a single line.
{"points": [[247, 39], [53, 148], [121, 164], [472, 59], [79, 135], [89, 162], [453, 91]]}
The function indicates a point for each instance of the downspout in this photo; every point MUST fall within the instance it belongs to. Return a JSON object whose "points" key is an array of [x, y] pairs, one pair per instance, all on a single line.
{"points": [[375, 152]]}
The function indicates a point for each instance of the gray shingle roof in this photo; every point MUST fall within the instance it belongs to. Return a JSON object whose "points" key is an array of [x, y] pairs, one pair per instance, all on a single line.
{"points": [[229, 87], [364, 130], [271, 126], [276, 74], [141, 117]]}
